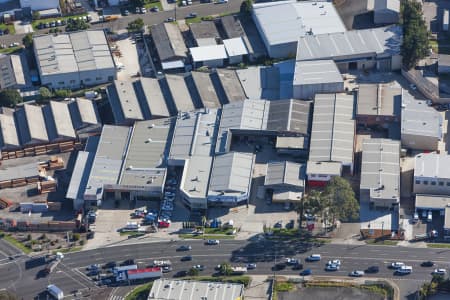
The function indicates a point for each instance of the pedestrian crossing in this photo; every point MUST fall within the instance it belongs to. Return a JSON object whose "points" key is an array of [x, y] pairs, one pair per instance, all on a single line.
{"points": [[116, 298]]}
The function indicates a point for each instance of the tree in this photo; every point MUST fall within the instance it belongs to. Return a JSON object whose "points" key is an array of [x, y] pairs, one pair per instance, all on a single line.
{"points": [[193, 272], [340, 198], [246, 6], [28, 40], [10, 98], [7, 295], [63, 93], [415, 35], [36, 15], [136, 25], [225, 269], [76, 24], [313, 203], [45, 93]]}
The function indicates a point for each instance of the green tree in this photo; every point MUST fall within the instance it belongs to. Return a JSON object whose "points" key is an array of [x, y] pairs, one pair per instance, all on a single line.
{"points": [[10, 98], [28, 40], [246, 6], [63, 93], [36, 15], [193, 272], [45, 93], [76, 24], [415, 34], [225, 269], [313, 203], [136, 25], [7, 295], [340, 198]]}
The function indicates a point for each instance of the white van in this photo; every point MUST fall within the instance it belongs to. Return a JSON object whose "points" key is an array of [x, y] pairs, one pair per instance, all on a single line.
{"points": [[430, 216], [313, 257], [404, 270]]}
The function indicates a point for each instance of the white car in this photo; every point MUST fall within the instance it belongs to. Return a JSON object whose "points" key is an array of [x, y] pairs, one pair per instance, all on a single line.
{"points": [[397, 265], [440, 272], [356, 273], [404, 270], [212, 242], [332, 267], [334, 262]]}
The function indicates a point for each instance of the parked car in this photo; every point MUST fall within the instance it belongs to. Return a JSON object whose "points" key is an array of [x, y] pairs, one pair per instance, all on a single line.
{"points": [[251, 266], [126, 12], [332, 267], [404, 270], [199, 267], [93, 267], [154, 9], [292, 261], [356, 273], [397, 265], [191, 15], [278, 224], [167, 269]]}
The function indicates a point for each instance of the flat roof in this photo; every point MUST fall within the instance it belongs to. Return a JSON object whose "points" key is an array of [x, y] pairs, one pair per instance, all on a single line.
{"points": [[382, 41], [8, 132], [381, 5], [235, 47], [87, 111], [379, 100], [231, 173], [316, 72], [291, 142], [108, 159], [323, 167], [428, 124], [432, 202], [231, 26], [333, 128], [432, 165], [231, 85], [285, 173], [196, 174], [63, 121], [261, 82], [298, 19], [168, 41], [206, 90], [208, 53], [168, 289], [19, 74], [380, 170], [180, 93], [154, 97]]}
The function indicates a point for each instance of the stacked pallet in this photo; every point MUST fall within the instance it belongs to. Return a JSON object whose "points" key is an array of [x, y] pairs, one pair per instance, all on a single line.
{"points": [[45, 187], [55, 163], [66, 146], [18, 182], [4, 203]]}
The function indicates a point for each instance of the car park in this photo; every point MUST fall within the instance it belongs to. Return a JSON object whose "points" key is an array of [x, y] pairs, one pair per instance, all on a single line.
{"points": [[356, 273], [440, 272], [212, 242], [372, 269], [313, 257], [397, 265], [427, 263]]}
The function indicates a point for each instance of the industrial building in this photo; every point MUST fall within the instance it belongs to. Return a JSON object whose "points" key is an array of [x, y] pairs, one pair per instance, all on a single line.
{"points": [[168, 289], [211, 56], [204, 87], [319, 173], [124, 103], [74, 60], [420, 133], [380, 173], [228, 86], [364, 49], [11, 73], [40, 5], [179, 93], [313, 77], [438, 204], [432, 174], [386, 11], [236, 50], [204, 33], [170, 46], [378, 104], [332, 135], [299, 18], [287, 181]]}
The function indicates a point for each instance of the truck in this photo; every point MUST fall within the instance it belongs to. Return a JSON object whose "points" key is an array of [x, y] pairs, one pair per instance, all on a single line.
{"points": [[55, 292], [146, 273], [162, 263], [238, 270], [118, 270], [42, 260], [107, 18]]}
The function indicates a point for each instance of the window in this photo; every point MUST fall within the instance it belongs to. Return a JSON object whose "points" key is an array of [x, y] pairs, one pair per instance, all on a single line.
{"points": [[441, 183], [417, 181], [98, 78], [425, 182], [61, 82], [72, 81], [433, 183], [87, 79], [448, 183]]}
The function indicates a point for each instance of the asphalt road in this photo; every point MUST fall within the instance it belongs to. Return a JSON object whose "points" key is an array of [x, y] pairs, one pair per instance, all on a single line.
{"points": [[204, 9], [69, 274]]}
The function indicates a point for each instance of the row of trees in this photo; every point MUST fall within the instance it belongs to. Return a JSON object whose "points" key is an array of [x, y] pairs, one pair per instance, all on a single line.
{"points": [[336, 202]]}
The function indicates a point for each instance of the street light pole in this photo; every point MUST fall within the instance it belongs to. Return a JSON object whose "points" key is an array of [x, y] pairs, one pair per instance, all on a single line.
{"points": [[382, 229]]}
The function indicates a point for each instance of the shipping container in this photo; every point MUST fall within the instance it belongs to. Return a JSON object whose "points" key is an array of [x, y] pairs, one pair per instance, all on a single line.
{"points": [[146, 273]]}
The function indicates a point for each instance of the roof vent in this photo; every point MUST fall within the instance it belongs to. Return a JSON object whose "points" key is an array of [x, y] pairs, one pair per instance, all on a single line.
{"points": [[148, 140], [322, 6], [130, 168]]}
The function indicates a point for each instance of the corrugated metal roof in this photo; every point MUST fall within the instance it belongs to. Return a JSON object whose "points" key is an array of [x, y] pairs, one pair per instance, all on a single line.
{"points": [[231, 172], [205, 30], [285, 173], [63, 122], [323, 167], [433, 202], [80, 175], [206, 90], [379, 100], [383, 41], [432, 165], [208, 53], [8, 136], [180, 93], [333, 128], [36, 123], [231, 85], [154, 97], [168, 41], [88, 111], [235, 47], [380, 168], [289, 115], [316, 72]]}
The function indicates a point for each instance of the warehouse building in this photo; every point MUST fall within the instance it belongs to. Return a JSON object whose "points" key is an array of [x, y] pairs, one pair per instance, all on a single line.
{"points": [[364, 49], [85, 117], [150, 96], [124, 103], [179, 93], [9, 138], [236, 50], [170, 46], [287, 181], [378, 105], [432, 174], [74, 60], [232, 28], [204, 87], [380, 173], [7, 75], [204, 33], [40, 5], [319, 173], [332, 136], [299, 18], [228, 86], [212, 56], [167, 289], [386, 11], [422, 133], [61, 127], [313, 77], [32, 129]]}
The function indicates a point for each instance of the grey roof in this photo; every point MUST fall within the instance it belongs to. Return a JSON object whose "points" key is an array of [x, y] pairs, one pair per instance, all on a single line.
{"points": [[196, 174], [194, 134], [154, 97], [231, 26], [380, 170], [298, 19], [19, 171], [208, 53], [124, 102], [80, 175], [205, 89], [180, 93], [235, 47], [8, 132], [231, 173], [323, 167], [260, 82], [7, 70], [291, 142], [167, 289], [381, 5], [73, 52], [34, 127], [231, 85], [62, 119], [420, 119], [333, 128], [168, 41], [204, 33], [379, 100], [432, 165], [147, 154], [87, 111], [108, 160], [432, 202], [248, 114], [289, 115], [285, 173], [316, 72], [383, 41]]}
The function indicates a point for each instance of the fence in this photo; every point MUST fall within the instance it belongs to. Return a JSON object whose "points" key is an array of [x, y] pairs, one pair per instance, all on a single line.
{"points": [[426, 87]]}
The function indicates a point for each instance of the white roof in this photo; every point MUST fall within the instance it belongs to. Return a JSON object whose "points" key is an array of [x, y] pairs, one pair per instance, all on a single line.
{"points": [[284, 21], [432, 165], [323, 167], [63, 121], [88, 111], [8, 132], [235, 47], [207, 53], [36, 122], [316, 72]]}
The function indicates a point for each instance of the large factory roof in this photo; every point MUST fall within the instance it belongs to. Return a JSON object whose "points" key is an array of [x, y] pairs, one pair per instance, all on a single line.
{"points": [[73, 52], [383, 41], [333, 128], [8, 132]]}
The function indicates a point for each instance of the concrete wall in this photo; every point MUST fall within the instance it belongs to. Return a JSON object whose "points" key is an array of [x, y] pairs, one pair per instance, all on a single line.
{"points": [[417, 142], [232, 60], [308, 91]]}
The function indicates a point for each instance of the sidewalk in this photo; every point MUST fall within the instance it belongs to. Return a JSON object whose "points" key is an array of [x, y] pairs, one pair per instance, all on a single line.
{"points": [[168, 6]]}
